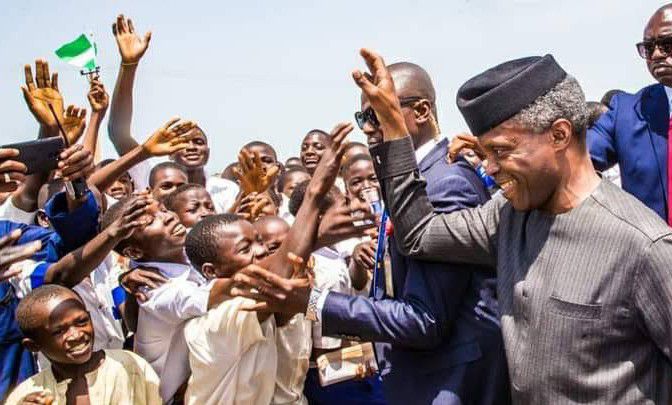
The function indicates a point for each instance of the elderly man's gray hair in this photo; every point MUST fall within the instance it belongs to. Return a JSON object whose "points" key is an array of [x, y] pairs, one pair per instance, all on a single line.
{"points": [[565, 100]]}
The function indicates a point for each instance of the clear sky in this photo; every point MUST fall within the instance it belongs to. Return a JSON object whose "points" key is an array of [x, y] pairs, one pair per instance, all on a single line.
{"points": [[272, 70]]}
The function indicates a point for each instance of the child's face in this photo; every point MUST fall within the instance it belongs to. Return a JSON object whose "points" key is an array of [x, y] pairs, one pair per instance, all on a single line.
{"points": [[360, 176], [162, 239], [197, 152], [272, 232], [122, 187], [194, 205], [66, 332], [167, 180], [266, 155], [239, 246], [292, 180]]}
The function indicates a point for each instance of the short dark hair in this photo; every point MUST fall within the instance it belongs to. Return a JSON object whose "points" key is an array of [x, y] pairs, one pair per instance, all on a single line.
{"points": [[299, 194], [163, 166], [290, 169], [595, 111], [318, 131], [171, 199], [608, 96], [201, 243], [354, 159], [26, 311], [263, 145]]}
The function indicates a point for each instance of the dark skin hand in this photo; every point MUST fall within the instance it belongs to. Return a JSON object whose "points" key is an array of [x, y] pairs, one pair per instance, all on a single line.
{"points": [[274, 291], [12, 168], [11, 254]]}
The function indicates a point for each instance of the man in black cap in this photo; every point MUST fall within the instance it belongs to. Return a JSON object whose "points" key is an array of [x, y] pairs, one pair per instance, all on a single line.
{"points": [[584, 276], [583, 268]]}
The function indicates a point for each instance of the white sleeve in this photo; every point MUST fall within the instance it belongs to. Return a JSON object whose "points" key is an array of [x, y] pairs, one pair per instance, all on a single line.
{"points": [[9, 212], [176, 301], [140, 172]]}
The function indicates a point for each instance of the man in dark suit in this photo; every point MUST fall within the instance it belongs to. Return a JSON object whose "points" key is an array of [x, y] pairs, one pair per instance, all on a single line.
{"points": [[634, 132], [438, 340]]}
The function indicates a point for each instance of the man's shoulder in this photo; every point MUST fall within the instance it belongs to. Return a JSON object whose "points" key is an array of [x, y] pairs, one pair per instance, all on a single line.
{"points": [[625, 99], [634, 218]]}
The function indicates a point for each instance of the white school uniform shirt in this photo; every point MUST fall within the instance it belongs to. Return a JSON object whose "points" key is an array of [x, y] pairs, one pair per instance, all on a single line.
{"points": [[331, 274], [161, 319], [9, 212], [294, 344], [222, 191], [232, 355]]}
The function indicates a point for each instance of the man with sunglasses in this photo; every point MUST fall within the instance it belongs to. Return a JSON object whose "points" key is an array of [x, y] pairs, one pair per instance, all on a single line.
{"points": [[634, 132]]}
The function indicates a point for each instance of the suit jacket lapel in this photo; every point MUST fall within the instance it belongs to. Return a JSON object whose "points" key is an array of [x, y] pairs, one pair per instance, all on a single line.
{"points": [[438, 152], [654, 109]]}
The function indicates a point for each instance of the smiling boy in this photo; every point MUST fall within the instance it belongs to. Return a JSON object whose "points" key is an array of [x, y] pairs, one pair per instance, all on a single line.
{"points": [[55, 322]]}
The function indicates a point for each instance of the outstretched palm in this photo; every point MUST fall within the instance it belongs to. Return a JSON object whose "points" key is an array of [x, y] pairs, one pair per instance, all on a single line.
{"points": [[41, 93], [131, 46]]}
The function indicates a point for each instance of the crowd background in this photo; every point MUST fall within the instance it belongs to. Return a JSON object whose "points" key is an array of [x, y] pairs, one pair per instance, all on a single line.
{"points": [[273, 70]]}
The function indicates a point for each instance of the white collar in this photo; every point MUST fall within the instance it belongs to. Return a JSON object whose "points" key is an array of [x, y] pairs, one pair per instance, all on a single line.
{"points": [[424, 150], [668, 92], [169, 270]]}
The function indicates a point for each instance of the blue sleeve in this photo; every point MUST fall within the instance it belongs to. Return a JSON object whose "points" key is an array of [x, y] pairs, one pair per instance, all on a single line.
{"points": [[453, 193], [30, 233], [601, 139], [74, 228], [420, 319]]}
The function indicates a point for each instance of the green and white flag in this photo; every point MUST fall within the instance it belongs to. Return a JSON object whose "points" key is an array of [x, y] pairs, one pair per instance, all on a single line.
{"points": [[81, 52]]}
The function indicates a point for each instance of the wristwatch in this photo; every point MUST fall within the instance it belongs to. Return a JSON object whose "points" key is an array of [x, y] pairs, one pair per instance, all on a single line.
{"points": [[311, 310]]}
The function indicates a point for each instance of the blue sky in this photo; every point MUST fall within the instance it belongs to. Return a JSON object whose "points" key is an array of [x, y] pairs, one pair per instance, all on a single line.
{"points": [[272, 70]]}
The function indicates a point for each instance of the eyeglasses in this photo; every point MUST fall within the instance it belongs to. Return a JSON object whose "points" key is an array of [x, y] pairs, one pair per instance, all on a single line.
{"points": [[648, 47], [368, 115]]}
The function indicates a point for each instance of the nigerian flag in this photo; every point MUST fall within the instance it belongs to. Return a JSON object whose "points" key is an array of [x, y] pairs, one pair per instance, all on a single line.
{"points": [[81, 52]]}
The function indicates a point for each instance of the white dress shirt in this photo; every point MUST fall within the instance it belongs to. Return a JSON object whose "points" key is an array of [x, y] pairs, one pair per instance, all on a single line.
{"points": [[233, 357], [161, 319]]}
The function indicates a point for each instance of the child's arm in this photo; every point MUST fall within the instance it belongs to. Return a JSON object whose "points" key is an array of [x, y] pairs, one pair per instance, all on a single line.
{"points": [[131, 48], [168, 139], [75, 266]]}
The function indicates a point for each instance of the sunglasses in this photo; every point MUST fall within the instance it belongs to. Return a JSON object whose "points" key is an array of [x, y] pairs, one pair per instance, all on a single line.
{"points": [[368, 115], [648, 47]]}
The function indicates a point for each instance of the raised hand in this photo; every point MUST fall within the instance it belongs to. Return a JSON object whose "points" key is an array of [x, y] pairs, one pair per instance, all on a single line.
{"points": [[10, 254], [253, 205], [171, 137], [41, 93], [251, 173], [74, 163], [74, 122], [338, 224], [378, 88], [98, 97], [132, 218], [131, 46], [12, 172], [464, 141], [328, 168]]}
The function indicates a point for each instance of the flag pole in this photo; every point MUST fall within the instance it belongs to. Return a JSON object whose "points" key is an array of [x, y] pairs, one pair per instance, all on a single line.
{"points": [[91, 75]]}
